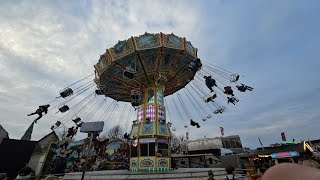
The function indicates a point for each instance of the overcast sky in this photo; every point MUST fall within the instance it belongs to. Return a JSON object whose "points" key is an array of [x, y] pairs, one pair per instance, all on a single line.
{"points": [[46, 45]]}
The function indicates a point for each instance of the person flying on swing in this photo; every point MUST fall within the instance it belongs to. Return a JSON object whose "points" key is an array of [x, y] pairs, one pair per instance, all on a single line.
{"points": [[243, 88], [210, 82], [233, 100], [39, 111], [228, 90], [71, 132], [211, 98], [193, 123]]}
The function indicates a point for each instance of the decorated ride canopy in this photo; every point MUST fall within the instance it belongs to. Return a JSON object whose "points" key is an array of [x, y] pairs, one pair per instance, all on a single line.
{"points": [[144, 61]]}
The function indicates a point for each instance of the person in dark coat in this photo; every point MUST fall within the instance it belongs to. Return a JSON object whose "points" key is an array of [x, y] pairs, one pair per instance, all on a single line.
{"points": [[39, 111]]}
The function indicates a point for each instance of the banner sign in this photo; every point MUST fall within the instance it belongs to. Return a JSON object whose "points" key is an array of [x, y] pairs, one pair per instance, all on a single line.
{"points": [[285, 154], [147, 140]]}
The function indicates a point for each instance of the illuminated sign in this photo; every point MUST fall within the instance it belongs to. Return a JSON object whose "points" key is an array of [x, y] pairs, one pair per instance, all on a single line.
{"points": [[285, 154], [147, 140], [162, 141]]}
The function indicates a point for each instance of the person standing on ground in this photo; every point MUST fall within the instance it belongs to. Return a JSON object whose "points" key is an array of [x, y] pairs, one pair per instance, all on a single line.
{"points": [[210, 175]]}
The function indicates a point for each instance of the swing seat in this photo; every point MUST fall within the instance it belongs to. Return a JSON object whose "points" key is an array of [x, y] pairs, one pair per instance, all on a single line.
{"points": [[135, 97], [64, 108], [58, 123], [234, 77], [67, 92], [219, 110], [76, 120], [173, 129], [100, 92], [128, 75]]}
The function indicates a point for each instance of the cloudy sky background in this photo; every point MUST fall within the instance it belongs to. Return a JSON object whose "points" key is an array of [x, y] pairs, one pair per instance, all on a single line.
{"points": [[46, 45]]}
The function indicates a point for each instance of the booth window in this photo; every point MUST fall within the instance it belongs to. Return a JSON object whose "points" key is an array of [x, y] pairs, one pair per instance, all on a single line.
{"points": [[147, 149], [134, 151], [162, 150]]}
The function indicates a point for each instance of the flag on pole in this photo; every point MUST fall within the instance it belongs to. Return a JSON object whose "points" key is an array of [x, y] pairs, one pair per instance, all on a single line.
{"points": [[260, 142], [283, 136], [222, 131]]}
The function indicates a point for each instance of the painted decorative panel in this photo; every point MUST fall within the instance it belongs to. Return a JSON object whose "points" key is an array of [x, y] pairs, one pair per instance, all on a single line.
{"points": [[151, 112], [190, 48], [150, 96], [168, 55], [172, 41], [147, 41], [162, 128], [159, 96], [115, 72], [131, 61], [134, 131], [133, 163], [122, 48], [140, 114], [150, 58], [146, 163], [147, 128], [163, 163], [65, 157], [161, 112]]}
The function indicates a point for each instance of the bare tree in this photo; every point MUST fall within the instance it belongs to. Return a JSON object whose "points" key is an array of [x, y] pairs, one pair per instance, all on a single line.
{"points": [[115, 132], [62, 133], [175, 143], [181, 137]]}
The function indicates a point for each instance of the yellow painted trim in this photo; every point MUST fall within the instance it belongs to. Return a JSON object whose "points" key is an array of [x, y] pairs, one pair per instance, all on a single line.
{"points": [[134, 43], [111, 55], [97, 69], [161, 39], [183, 43], [196, 52], [153, 158]]}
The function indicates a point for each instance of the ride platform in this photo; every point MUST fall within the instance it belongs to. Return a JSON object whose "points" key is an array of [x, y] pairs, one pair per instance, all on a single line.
{"points": [[181, 173]]}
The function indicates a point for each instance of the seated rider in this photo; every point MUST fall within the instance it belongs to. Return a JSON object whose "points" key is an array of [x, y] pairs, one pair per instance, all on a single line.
{"points": [[228, 90], [243, 88], [195, 64], [219, 110], [193, 123], [71, 132], [126, 136], [211, 98], [39, 111], [210, 82], [232, 100]]}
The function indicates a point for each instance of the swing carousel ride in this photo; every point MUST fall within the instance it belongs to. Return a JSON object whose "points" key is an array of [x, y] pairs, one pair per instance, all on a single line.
{"points": [[142, 71]]}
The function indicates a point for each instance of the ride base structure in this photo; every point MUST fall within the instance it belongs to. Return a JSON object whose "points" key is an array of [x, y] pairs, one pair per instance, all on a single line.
{"points": [[150, 134]]}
